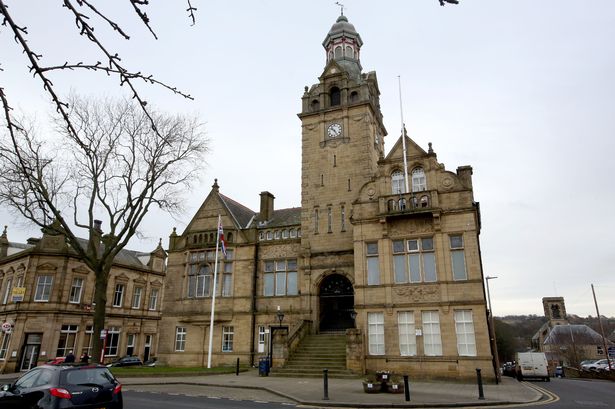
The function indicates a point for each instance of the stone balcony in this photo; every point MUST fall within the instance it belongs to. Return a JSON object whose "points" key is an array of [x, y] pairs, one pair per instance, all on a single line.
{"points": [[425, 201]]}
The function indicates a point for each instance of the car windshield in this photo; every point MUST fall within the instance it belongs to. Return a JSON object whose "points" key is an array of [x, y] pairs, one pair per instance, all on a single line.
{"points": [[87, 376]]}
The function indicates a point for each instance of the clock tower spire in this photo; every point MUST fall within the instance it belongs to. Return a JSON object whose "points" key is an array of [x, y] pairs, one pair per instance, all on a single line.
{"points": [[342, 140]]}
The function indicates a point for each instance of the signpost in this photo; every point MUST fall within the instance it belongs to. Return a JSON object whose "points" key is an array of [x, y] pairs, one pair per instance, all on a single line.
{"points": [[18, 294], [611, 352]]}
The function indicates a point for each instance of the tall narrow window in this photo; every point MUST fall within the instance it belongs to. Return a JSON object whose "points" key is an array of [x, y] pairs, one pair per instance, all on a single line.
{"points": [[414, 260], [7, 290], [227, 276], [329, 220], [180, 339], [432, 341], [375, 330], [343, 218], [136, 298], [373, 264], [398, 184], [464, 327], [227, 339], [407, 333], [112, 342], [118, 295], [419, 183], [130, 344], [75, 291], [4, 345], [458, 257], [43, 288], [335, 94], [316, 220], [86, 345], [68, 339], [153, 299], [268, 279]]}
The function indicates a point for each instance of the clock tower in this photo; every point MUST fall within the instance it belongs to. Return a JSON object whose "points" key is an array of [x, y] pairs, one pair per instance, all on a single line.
{"points": [[342, 141]]}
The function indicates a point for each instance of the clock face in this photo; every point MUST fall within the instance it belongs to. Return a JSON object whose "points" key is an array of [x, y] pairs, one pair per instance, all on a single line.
{"points": [[334, 130]]}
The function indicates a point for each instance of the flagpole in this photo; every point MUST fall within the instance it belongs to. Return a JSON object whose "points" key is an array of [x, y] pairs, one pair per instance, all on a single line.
{"points": [[213, 297], [403, 137]]}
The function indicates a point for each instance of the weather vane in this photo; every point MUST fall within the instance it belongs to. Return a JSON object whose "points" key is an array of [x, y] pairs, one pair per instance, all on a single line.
{"points": [[341, 7]]}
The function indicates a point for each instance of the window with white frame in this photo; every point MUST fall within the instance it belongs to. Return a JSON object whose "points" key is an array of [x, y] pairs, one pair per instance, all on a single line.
{"points": [[407, 333], [153, 299], [87, 341], [464, 327], [262, 339], [419, 182], [136, 297], [373, 263], [414, 260], [398, 184], [76, 289], [227, 276], [227, 339], [43, 288], [7, 290], [68, 339], [112, 342], [293, 233], [180, 339], [432, 340], [375, 331], [118, 295], [280, 277], [458, 257], [4, 345]]}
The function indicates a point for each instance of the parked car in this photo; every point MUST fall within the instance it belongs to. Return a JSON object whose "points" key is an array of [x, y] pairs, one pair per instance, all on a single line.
{"points": [[63, 386], [56, 361], [127, 360], [598, 366]]}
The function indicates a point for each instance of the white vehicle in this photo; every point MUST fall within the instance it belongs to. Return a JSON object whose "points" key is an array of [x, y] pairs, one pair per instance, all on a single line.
{"points": [[532, 365]]}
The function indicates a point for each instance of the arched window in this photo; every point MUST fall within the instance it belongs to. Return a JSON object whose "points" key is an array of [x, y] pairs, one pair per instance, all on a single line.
{"points": [[397, 182], [349, 52], [335, 96], [229, 237], [338, 52], [293, 233], [315, 105], [284, 234], [200, 238], [392, 205], [269, 235], [402, 204], [419, 183], [424, 201], [354, 96], [261, 236], [298, 232], [277, 235]]}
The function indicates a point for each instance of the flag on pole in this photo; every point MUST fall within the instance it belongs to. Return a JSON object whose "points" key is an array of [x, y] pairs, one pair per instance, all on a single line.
{"points": [[221, 237]]}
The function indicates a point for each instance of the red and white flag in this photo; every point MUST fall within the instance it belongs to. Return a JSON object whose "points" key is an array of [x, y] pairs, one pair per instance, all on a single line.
{"points": [[221, 237]]}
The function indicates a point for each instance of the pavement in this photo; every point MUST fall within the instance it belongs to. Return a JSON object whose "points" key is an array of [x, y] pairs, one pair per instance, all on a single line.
{"points": [[341, 392]]}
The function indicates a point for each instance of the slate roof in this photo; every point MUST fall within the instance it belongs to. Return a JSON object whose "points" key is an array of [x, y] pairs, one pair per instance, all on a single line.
{"points": [[582, 335], [281, 218], [241, 213]]}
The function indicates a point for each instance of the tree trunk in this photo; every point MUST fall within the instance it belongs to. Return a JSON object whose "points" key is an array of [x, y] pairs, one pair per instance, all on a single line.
{"points": [[100, 298]]}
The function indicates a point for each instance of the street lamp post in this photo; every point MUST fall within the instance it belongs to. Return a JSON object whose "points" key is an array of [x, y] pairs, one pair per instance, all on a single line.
{"points": [[494, 344], [280, 317]]}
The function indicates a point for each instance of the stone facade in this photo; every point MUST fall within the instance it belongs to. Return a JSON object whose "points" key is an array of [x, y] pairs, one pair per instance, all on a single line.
{"points": [[399, 269], [46, 294]]}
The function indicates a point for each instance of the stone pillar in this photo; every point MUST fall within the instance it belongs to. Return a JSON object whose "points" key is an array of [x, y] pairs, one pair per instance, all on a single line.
{"points": [[354, 350]]}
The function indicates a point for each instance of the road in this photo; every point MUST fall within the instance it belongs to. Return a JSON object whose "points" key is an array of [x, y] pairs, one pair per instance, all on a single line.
{"points": [[149, 400], [578, 394]]}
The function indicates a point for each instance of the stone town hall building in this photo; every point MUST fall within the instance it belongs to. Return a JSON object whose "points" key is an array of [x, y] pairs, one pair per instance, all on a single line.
{"points": [[406, 261]]}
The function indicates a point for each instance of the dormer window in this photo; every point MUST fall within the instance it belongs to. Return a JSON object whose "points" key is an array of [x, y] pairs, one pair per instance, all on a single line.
{"points": [[335, 96]]}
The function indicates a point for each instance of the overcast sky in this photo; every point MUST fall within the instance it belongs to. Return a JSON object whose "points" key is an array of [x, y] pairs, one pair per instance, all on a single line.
{"points": [[523, 91]]}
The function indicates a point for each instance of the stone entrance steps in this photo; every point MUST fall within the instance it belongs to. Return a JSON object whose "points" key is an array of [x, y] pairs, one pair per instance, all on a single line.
{"points": [[315, 353]]}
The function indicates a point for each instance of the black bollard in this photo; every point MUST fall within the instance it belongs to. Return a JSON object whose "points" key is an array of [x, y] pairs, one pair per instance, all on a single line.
{"points": [[237, 368], [407, 388], [325, 379], [479, 379]]}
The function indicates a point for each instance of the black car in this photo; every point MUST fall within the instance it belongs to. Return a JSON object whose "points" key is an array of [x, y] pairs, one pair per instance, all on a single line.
{"points": [[63, 386], [127, 360]]}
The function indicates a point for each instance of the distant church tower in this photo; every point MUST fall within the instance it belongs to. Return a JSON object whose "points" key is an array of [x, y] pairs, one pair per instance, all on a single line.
{"points": [[555, 310], [342, 140]]}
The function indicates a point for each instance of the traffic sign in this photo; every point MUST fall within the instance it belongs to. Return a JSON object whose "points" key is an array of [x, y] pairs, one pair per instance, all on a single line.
{"points": [[7, 327], [611, 352], [103, 333]]}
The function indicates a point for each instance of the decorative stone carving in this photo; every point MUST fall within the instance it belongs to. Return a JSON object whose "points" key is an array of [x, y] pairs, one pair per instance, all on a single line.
{"points": [[426, 292]]}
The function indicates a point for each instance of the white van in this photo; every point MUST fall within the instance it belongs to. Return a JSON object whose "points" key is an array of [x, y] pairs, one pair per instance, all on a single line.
{"points": [[532, 365]]}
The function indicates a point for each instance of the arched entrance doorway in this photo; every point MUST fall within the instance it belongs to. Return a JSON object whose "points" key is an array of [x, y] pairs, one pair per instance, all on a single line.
{"points": [[336, 303]]}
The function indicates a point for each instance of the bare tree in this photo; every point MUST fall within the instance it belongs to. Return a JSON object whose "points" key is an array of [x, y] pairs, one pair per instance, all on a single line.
{"points": [[112, 167]]}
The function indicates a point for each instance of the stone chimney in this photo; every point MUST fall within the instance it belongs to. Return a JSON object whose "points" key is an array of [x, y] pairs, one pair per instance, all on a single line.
{"points": [[95, 242], [266, 211], [4, 244]]}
